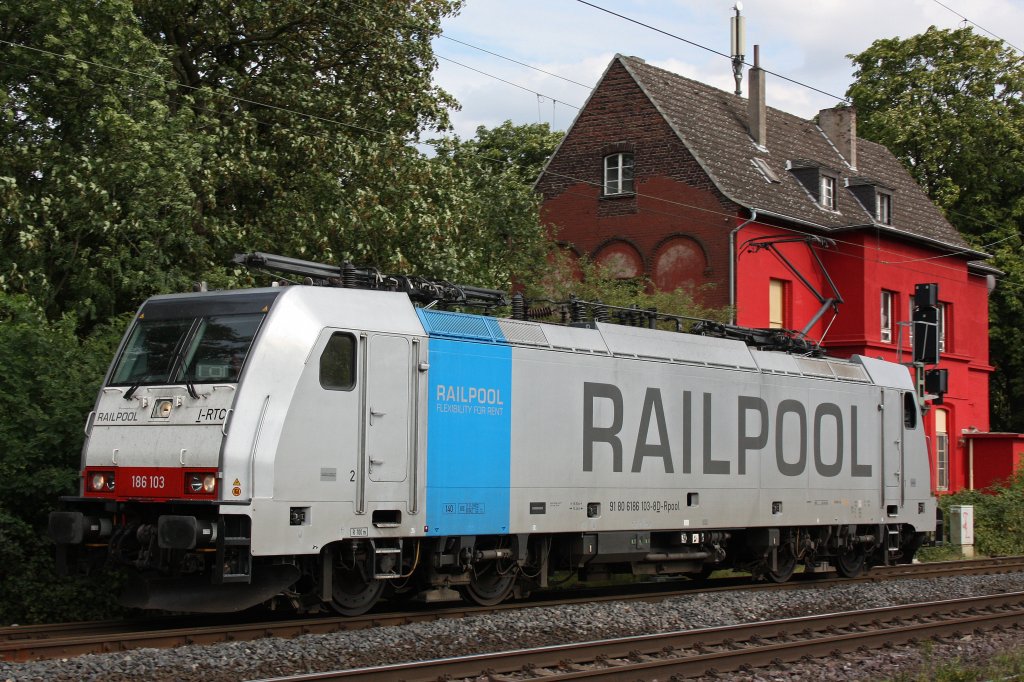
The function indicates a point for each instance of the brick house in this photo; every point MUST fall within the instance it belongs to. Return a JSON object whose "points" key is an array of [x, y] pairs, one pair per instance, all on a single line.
{"points": [[795, 224]]}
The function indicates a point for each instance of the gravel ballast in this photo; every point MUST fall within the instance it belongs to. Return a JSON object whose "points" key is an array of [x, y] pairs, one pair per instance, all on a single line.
{"points": [[550, 625]]}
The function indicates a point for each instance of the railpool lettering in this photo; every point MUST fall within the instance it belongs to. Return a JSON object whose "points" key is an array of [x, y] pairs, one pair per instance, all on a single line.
{"points": [[468, 400], [800, 433], [119, 417], [478, 395]]}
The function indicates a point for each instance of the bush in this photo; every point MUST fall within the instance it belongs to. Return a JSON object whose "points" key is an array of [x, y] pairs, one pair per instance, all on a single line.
{"points": [[998, 516], [47, 388]]}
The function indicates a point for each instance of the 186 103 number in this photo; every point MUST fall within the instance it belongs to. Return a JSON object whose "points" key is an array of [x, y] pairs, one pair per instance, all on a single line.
{"points": [[142, 482]]}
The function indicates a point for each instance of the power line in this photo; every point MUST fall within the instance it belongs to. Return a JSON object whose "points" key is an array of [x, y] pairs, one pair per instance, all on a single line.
{"points": [[529, 66], [970, 21], [515, 85], [430, 143], [711, 50], [725, 214], [194, 88]]}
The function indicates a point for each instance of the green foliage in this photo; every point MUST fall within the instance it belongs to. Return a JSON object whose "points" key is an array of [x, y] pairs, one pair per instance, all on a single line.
{"points": [[564, 276], [495, 215], [998, 516], [153, 140], [47, 388], [950, 104], [96, 172], [939, 553], [521, 149]]}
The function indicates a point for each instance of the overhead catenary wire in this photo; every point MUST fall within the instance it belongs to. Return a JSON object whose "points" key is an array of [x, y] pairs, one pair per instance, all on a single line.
{"points": [[515, 61], [493, 160], [974, 23], [386, 133], [712, 50], [508, 82], [194, 88]]}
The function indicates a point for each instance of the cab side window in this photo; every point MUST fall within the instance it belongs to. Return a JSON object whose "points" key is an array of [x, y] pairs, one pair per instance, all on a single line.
{"points": [[338, 363], [910, 410]]}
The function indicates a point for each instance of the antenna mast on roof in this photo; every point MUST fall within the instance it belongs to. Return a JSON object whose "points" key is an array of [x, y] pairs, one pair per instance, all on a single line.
{"points": [[737, 35]]}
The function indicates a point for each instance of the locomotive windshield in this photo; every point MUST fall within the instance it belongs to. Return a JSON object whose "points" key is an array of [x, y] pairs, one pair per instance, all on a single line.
{"points": [[209, 349]]}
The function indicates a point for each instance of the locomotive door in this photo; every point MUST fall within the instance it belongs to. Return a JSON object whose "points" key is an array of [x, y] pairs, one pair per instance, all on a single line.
{"points": [[892, 447], [387, 417]]}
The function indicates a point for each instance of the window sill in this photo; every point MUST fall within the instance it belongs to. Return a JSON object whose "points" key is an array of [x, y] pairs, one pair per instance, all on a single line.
{"points": [[612, 197]]}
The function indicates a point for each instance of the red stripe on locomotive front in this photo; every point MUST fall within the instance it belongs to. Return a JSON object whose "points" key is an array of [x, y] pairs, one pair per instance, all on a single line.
{"points": [[156, 484]]}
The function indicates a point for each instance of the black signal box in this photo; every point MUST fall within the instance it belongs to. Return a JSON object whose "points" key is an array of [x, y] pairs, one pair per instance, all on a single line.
{"points": [[926, 294], [936, 382], [926, 334]]}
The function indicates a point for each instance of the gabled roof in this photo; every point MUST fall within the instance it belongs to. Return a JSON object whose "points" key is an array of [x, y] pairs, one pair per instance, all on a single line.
{"points": [[713, 125]]}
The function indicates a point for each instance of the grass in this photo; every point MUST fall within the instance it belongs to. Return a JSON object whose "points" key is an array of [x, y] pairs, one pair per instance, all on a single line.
{"points": [[940, 553], [1005, 666]]}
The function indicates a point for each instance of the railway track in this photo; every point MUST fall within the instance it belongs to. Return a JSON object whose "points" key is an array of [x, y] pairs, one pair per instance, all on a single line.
{"points": [[693, 653], [36, 642]]}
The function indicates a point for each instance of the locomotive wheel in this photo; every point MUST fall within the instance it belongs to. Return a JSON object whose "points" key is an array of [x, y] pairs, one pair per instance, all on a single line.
{"points": [[850, 564], [353, 594], [489, 587], [786, 563]]}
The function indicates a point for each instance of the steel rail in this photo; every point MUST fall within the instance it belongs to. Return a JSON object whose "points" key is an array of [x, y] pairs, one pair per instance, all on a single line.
{"points": [[36, 642], [700, 652]]}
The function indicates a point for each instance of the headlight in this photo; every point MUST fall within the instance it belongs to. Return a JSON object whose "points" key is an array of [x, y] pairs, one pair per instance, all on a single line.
{"points": [[162, 408], [101, 482], [201, 483]]}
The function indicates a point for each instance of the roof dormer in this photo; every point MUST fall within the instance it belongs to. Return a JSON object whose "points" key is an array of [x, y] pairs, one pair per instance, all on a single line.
{"points": [[821, 182], [877, 199]]}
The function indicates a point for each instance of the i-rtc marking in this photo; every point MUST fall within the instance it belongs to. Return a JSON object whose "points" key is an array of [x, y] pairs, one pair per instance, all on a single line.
{"points": [[208, 415]]}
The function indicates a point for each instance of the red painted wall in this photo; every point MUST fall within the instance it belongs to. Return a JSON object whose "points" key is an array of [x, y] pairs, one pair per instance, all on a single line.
{"points": [[862, 265], [673, 229], [997, 456]]}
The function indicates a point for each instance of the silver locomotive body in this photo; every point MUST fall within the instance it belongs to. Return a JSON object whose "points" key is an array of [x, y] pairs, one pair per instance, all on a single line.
{"points": [[321, 444]]}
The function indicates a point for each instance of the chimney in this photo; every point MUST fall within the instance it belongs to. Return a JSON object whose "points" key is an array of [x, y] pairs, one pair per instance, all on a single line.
{"points": [[840, 126], [757, 112]]}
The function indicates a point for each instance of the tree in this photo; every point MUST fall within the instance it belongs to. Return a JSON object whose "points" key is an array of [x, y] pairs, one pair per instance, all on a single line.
{"points": [[96, 174], [496, 204], [950, 104], [150, 141], [521, 148]]}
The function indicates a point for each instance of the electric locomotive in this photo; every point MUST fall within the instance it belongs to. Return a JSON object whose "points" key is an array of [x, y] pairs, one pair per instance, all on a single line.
{"points": [[329, 443]]}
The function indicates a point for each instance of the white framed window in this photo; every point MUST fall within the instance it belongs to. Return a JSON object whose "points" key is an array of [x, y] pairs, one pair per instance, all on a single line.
{"points": [[887, 315], [776, 304], [618, 174], [828, 192], [943, 319], [941, 450], [883, 207]]}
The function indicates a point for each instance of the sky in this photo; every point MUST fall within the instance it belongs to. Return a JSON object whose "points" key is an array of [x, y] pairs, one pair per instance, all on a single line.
{"points": [[805, 41]]}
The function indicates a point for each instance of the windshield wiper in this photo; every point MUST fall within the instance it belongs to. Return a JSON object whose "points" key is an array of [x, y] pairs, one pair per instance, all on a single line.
{"points": [[187, 376]]}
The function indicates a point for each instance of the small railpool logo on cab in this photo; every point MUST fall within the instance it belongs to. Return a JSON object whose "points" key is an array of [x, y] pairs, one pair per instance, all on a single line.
{"points": [[478, 400]]}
